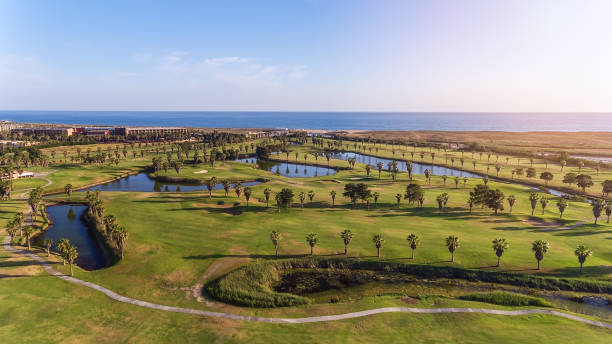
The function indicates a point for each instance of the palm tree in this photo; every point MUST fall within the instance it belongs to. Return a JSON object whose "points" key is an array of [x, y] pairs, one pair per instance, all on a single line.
{"points": [[598, 205], [47, 243], [267, 192], [608, 211], [376, 196], [247, 194], [226, 186], [561, 204], [539, 248], [398, 197], [311, 195], [62, 245], [379, 165], [414, 242], [511, 201], [27, 232], [68, 190], [275, 236], [238, 189], [533, 198], [312, 239], [543, 203], [210, 184], [452, 243], [378, 241], [427, 174], [456, 182], [333, 197], [302, 197], [499, 246], [582, 252], [346, 236], [70, 255]]}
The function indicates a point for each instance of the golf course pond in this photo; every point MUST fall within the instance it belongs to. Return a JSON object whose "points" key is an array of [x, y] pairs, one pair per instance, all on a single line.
{"points": [[143, 183], [290, 169], [67, 223]]}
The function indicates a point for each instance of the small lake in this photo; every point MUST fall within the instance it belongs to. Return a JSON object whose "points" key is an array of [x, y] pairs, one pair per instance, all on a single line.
{"points": [[605, 159], [67, 224], [417, 168], [142, 183], [290, 169]]}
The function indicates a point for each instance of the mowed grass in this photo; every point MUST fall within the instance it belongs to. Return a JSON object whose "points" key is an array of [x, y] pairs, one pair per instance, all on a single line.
{"points": [[50, 310], [179, 239], [176, 237]]}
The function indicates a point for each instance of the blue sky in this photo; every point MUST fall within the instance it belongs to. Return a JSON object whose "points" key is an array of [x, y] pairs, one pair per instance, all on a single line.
{"points": [[310, 55]]}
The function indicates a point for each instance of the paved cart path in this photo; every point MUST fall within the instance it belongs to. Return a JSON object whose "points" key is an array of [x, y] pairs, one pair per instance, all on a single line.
{"points": [[125, 299]]}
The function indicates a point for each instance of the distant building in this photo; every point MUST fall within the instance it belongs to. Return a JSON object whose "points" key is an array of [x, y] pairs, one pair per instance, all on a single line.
{"points": [[97, 131], [126, 131], [7, 125], [45, 131]]}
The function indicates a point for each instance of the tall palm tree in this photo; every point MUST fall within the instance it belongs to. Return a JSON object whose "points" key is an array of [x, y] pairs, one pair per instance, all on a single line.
{"points": [[452, 243], [543, 203], [47, 243], [597, 207], [210, 184], [333, 197], [561, 204], [312, 239], [62, 245], [68, 190], [539, 248], [427, 174], [238, 189], [376, 196], [379, 166], [500, 246], [226, 186], [311, 195], [70, 255], [275, 236], [247, 195], [346, 236], [511, 201], [582, 252], [378, 241], [533, 198], [267, 192], [413, 241], [27, 232]]}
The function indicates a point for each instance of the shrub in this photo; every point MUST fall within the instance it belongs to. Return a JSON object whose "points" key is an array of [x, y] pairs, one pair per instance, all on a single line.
{"points": [[220, 202], [251, 285], [507, 299]]}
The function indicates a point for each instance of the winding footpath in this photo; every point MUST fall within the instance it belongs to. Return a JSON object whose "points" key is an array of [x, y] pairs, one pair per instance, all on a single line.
{"points": [[47, 266]]}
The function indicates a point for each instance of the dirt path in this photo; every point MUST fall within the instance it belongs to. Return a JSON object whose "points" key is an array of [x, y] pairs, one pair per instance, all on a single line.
{"points": [[140, 303]]}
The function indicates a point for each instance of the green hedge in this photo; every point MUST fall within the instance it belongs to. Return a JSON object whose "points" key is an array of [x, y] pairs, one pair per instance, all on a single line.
{"points": [[507, 299], [251, 285]]}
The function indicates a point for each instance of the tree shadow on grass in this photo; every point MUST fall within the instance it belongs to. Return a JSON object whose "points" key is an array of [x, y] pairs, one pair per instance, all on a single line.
{"points": [[261, 256], [19, 263], [587, 271]]}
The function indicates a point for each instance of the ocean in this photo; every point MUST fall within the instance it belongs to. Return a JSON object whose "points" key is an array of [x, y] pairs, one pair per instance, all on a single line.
{"points": [[479, 121]]}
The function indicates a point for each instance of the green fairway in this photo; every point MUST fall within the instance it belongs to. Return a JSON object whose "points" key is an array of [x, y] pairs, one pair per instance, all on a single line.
{"points": [[179, 241]]}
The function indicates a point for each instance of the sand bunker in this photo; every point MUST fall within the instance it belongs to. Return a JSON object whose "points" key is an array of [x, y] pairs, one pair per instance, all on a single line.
{"points": [[201, 172]]}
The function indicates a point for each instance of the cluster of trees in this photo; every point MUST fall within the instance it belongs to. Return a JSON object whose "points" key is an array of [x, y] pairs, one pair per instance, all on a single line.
{"points": [[452, 243], [114, 234]]}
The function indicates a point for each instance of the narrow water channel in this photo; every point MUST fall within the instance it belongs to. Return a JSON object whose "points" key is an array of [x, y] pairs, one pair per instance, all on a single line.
{"points": [[67, 224], [290, 169], [417, 167], [142, 183]]}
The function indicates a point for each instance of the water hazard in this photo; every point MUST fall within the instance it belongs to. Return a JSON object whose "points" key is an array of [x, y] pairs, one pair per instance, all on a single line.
{"points": [[67, 223]]}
